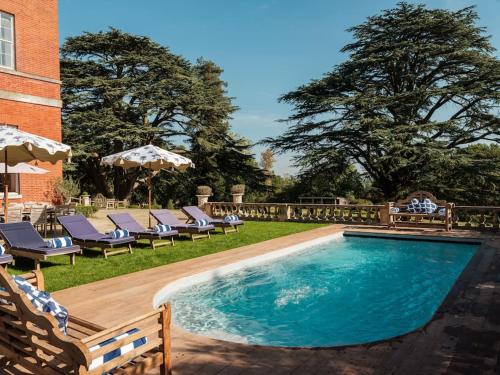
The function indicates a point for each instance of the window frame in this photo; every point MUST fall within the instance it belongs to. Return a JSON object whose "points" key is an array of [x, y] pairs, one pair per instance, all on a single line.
{"points": [[12, 41]]}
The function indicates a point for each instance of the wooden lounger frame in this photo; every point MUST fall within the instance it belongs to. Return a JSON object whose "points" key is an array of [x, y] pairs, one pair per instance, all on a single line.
{"points": [[195, 236], [229, 228], [32, 340], [160, 243], [38, 257], [107, 249]]}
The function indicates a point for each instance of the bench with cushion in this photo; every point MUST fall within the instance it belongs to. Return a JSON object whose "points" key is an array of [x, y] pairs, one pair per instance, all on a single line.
{"points": [[33, 340], [422, 209]]}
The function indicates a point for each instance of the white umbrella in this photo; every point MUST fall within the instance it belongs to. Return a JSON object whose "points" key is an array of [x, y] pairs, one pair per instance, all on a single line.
{"points": [[23, 168], [151, 157], [17, 147]]}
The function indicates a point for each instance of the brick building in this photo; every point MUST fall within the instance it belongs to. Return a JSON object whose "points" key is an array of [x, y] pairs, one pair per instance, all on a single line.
{"points": [[30, 84]]}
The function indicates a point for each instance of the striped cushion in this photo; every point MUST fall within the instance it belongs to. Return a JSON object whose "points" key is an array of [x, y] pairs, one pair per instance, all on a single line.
{"points": [[43, 302], [59, 242], [442, 212], [2, 250], [201, 222], [99, 361], [119, 233], [160, 228], [230, 218]]}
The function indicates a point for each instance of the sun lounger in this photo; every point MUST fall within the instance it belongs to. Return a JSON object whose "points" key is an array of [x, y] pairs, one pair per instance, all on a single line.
{"points": [[195, 231], [195, 213], [126, 221], [22, 240], [84, 233]]}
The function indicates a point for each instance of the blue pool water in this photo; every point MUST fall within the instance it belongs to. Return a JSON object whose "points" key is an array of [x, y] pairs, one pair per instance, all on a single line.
{"points": [[348, 291]]}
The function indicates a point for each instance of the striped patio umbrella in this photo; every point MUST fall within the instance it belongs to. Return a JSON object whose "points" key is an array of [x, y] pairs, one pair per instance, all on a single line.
{"points": [[17, 146], [151, 157]]}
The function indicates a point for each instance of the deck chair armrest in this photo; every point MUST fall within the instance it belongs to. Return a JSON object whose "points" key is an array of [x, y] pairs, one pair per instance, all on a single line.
{"points": [[35, 278], [154, 326]]}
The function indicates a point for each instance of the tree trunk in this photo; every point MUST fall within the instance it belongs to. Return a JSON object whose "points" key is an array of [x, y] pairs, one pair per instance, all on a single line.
{"points": [[99, 179], [124, 183]]}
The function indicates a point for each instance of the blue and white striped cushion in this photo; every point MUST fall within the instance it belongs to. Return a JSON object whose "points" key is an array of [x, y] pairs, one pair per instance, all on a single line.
{"points": [[2, 250], [442, 212], [99, 361], [201, 223], [44, 302], [119, 233], [230, 218], [59, 242], [160, 228], [394, 210]]}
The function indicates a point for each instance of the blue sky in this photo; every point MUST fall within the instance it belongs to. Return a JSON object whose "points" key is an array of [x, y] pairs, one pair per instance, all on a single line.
{"points": [[266, 47]]}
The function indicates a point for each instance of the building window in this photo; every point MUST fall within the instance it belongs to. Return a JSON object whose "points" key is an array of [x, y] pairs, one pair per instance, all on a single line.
{"points": [[14, 186], [6, 40]]}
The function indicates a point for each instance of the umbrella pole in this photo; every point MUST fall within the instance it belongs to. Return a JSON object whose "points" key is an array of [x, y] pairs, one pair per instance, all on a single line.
{"points": [[6, 191], [149, 196]]}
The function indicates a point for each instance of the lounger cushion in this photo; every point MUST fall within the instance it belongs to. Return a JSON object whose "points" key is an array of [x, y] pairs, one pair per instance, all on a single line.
{"points": [[59, 242], [166, 217], [117, 352], [442, 212], [44, 302], [119, 233], [161, 228], [100, 238], [201, 222], [126, 221], [231, 218]]}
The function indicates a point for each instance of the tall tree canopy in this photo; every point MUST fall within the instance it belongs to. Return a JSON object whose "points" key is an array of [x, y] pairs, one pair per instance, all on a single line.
{"points": [[122, 91], [418, 85]]}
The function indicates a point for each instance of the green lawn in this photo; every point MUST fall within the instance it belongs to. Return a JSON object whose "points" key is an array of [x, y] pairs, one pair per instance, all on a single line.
{"points": [[59, 274]]}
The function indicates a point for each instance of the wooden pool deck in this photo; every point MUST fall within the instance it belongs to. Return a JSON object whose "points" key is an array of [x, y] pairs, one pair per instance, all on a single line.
{"points": [[463, 338]]}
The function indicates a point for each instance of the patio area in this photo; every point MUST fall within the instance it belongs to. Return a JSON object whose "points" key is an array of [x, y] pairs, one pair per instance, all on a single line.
{"points": [[463, 338]]}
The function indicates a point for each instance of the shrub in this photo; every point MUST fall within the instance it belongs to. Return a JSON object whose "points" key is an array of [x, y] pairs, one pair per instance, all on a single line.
{"points": [[204, 190], [66, 188], [238, 189], [86, 211]]}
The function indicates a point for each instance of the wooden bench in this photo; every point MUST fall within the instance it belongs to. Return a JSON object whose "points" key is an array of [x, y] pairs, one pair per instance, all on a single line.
{"points": [[405, 218], [30, 341]]}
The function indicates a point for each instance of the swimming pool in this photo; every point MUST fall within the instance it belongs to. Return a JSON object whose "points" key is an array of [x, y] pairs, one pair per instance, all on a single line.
{"points": [[350, 290]]}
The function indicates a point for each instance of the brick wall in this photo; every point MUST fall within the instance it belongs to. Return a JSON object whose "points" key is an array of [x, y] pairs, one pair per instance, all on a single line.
{"points": [[36, 35], [37, 54]]}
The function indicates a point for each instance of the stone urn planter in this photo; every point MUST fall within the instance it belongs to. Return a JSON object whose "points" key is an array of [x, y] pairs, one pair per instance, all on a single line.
{"points": [[86, 200], [203, 193], [238, 191]]}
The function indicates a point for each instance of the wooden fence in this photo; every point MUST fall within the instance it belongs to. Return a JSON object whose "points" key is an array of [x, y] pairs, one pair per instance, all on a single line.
{"points": [[482, 218]]}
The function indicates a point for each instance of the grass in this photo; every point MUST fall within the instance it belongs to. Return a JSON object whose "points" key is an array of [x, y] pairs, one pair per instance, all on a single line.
{"points": [[59, 274]]}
